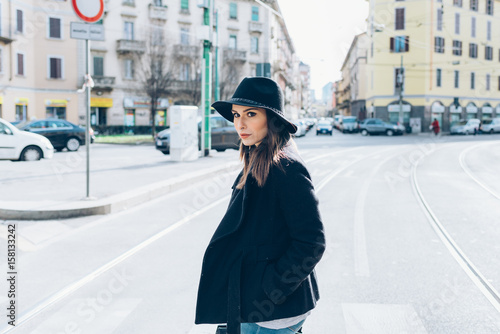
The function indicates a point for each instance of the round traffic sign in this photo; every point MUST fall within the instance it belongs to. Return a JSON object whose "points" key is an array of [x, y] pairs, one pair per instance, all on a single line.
{"points": [[88, 10]]}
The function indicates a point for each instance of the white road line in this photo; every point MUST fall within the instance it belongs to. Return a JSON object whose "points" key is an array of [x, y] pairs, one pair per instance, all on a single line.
{"points": [[466, 169], [479, 280]]}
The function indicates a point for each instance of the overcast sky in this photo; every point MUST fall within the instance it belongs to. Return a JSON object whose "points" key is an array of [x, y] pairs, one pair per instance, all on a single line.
{"points": [[322, 32]]}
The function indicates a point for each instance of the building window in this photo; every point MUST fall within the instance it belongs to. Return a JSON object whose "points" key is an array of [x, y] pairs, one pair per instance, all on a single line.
{"points": [[55, 28], [400, 18], [440, 19], [457, 3], [457, 77], [1, 61], [489, 7], [457, 48], [473, 27], [20, 64], [254, 47], [185, 36], [255, 13], [473, 50], [98, 66], [55, 68], [128, 31], [474, 5], [488, 53], [457, 23], [439, 44], [233, 42], [473, 80], [399, 80], [184, 75], [158, 3], [129, 68], [488, 30], [19, 21], [184, 5], [400, 44], [488, 79], [233, 10], [438, 77]]}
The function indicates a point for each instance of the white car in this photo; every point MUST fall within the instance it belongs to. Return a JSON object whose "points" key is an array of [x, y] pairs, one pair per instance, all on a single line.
{"points": [[465, 127], [21, 145], [301, 128], [491, 125]]}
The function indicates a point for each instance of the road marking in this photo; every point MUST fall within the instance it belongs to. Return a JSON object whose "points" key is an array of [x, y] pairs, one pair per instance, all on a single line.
{"points": [[466, 169], [381, 319]]}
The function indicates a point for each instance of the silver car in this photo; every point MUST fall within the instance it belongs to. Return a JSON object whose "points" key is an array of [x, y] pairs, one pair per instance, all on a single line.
{"points": [[465, 127], [491, 125]]}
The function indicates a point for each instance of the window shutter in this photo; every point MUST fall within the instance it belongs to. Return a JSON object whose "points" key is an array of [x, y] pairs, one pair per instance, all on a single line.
{"points": [[19, 20], [407, 43], [392, 44], [20, 64], [55, 27], [400, 18]]}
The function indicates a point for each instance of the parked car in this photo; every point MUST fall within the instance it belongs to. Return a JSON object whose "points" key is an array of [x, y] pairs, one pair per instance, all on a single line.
{"points": [[336, 121], [465, 127], [223, 136], [491, 125], [309, 123], [324, 126], [61, 133], [371, 126], [349, 124], [19, 145], [301, 128]]}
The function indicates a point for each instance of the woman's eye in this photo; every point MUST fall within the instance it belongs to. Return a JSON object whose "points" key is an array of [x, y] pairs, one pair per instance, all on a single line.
{"points": [[251, 114], [236, 115]]}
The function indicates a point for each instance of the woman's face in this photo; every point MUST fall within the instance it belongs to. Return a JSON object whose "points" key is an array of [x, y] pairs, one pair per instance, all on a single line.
{"points": [[250, 123]]}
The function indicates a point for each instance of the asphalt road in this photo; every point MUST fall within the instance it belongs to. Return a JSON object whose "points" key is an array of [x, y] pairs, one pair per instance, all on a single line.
{"points": [[412, 226]]}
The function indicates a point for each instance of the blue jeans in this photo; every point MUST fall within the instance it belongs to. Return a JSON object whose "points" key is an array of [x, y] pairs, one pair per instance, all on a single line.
{"points": [[248, 328]]}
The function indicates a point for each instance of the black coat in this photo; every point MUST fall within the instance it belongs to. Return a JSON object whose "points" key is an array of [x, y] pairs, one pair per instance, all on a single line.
{"points": [[259, 265]]}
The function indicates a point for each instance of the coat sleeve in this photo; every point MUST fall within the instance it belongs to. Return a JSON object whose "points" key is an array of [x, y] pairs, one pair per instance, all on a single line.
{"points": [[299, 206]]}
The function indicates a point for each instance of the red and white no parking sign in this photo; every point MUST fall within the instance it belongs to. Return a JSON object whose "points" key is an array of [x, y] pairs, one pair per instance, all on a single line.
{"points": [[89, 10]]}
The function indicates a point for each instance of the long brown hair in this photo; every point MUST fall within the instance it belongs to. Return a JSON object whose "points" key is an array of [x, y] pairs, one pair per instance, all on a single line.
{"points": [[258, 160]]}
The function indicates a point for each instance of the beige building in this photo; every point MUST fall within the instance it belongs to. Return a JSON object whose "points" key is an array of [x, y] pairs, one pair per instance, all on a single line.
{"points": [[38, 61], [442, 55], [41, 67]]}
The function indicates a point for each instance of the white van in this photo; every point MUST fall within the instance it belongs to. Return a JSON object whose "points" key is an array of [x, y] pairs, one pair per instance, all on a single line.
{"points": [[21, 145]]}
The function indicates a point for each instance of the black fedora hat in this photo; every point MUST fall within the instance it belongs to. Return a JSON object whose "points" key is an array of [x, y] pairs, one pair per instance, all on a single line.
{"points": [[258, 92]]}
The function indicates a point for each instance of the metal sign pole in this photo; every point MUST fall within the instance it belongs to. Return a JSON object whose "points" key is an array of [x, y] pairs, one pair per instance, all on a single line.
{"points": [[87, 113]]}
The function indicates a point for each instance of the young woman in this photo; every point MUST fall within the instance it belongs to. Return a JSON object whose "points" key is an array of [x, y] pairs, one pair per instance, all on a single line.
{"points": [[258, 270]]}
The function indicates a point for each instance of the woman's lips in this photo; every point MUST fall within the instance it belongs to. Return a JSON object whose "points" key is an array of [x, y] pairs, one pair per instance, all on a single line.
{"points": [[244, 136]]}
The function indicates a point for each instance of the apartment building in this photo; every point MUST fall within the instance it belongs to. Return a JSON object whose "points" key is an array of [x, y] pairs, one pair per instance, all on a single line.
{"points": [[442, 55], [38, 61]]}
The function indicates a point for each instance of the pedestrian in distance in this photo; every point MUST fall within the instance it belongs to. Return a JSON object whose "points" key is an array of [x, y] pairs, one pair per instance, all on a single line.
{"points": [[258, 270], [435, 126]]}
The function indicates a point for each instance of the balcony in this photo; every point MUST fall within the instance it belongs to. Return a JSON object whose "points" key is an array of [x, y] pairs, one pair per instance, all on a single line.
{"points": [[235, 55], [255, 27], [124, 46], [102, 83], [5, 40], [157, 12], [188, 51], [181, 86]]}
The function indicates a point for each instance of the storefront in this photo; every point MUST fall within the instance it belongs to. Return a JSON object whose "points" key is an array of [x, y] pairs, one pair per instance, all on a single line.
{"points": [[437, 111], [21, 109], [99, 110], [455, 114], [132, 104], [486, 111], [393, 110], [471, 110], [55, 109]]}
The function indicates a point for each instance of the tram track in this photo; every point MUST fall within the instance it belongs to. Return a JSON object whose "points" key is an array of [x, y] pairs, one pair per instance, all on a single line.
{"points": [[457, 253]]}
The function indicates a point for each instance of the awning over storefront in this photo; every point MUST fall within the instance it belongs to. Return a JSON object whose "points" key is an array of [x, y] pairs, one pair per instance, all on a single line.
{"points": [[143, 102], [101, 102], [21, 101], [56, 103]]}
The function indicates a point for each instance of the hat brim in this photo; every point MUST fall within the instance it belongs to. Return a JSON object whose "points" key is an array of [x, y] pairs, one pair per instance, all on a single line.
{"points": [[224, 108]]}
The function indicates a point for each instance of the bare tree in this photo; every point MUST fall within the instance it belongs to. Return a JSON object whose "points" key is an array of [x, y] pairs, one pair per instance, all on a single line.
{"points": [[231, 75], [155, 71]]}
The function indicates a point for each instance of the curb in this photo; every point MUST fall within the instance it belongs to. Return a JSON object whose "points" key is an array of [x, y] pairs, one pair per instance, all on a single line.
{"points": [[115, 203]]}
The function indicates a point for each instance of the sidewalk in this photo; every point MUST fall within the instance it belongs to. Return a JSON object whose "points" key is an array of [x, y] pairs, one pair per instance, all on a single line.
{"points": [[54, 190]]}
